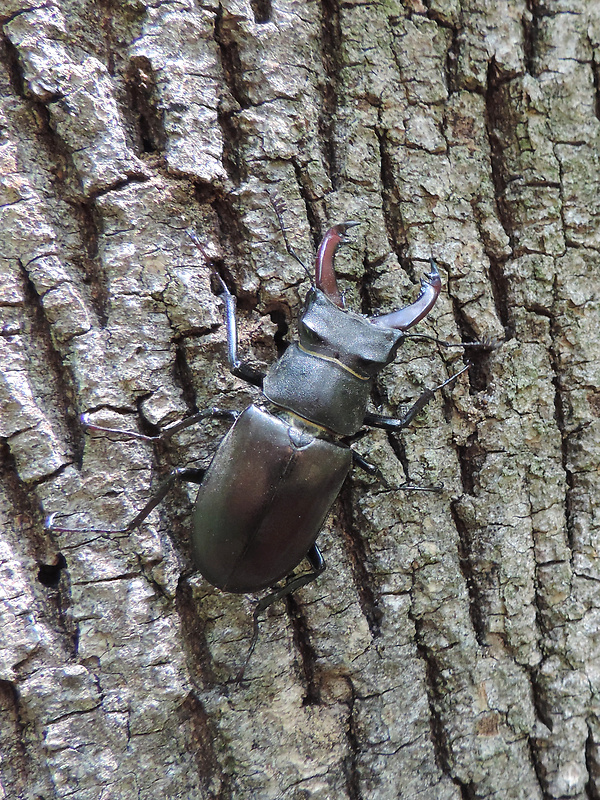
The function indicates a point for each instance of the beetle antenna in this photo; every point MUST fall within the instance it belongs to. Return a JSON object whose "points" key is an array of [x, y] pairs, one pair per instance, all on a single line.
{"points": [[210, 261], [194, 238], [192, 234], [278, 206]]}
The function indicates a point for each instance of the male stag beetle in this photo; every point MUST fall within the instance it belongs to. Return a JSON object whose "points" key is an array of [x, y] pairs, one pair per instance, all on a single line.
{"points": [[276, 474]]}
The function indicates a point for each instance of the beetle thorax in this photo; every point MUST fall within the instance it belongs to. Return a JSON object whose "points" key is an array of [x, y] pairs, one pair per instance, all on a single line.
{"points": [[326, 376]]}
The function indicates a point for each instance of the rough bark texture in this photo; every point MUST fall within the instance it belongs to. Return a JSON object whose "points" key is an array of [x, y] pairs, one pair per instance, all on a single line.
{"points": [[451, 650]]}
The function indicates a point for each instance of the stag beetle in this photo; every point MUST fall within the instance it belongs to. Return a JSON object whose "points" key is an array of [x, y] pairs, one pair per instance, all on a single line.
{"points": [[276, 474]]}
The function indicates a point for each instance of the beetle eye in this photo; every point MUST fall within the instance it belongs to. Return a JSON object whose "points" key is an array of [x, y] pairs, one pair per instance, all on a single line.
{"points": [[311, 337]]}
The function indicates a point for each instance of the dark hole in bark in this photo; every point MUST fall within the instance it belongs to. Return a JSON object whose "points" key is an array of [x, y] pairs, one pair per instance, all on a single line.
{"points": [[49, 574], [262, 10], [144, 103], [278, 317]]}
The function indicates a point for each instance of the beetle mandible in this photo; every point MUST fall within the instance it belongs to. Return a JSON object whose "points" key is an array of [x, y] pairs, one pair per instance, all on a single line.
{"points": [[276, 474]]}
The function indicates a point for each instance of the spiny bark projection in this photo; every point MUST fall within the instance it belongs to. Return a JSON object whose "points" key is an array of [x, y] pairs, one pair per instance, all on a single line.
{"points": [[451, 649]]}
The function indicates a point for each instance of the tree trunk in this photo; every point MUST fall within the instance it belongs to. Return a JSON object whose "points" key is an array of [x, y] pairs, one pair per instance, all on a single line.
{"points": [[451, 648]]}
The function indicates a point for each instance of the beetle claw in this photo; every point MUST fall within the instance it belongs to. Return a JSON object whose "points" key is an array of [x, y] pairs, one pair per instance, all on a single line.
{"points": [[49, 521]]}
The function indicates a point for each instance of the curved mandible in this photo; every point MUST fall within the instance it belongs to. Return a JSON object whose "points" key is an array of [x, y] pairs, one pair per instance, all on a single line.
{"points": [[406, 317], [324, 271]]}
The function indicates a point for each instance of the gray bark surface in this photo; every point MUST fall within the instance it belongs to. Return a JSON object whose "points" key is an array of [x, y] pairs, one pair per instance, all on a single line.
{"points": [[451, 649]]}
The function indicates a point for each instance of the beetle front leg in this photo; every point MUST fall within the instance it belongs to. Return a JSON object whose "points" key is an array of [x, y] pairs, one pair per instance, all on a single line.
{"points": [[395, 424], [317, 562], [239, 368]]}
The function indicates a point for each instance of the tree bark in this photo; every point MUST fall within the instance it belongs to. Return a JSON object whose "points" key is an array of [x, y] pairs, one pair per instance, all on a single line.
{"points": [[451, 648]]}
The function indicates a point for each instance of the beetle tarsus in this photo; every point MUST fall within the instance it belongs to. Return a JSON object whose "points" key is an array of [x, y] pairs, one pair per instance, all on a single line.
{"points": [[255, 631], [486, 343], [50, 527], [317, 562], [395, 423], [194, 419], [410, 487]]}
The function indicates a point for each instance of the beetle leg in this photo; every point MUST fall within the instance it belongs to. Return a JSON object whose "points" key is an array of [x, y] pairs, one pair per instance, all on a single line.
{"points": [[371, 469], [317, 562], [394, 424], [191, 475], [217, 413], [239, 368]]}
